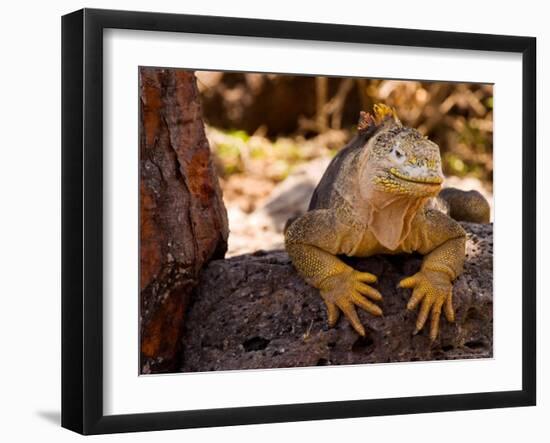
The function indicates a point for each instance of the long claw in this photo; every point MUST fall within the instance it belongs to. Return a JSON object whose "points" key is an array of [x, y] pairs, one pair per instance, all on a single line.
{"points": [[333, 313], [366, 305], [417, 295], [424, 312], [449, 311], [368, 291], [366, 277], [409, 282], [353, 318], [436, 314]]}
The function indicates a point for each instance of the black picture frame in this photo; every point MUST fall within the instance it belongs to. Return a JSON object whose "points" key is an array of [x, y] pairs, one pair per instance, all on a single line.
{"points": [[82, 219]]}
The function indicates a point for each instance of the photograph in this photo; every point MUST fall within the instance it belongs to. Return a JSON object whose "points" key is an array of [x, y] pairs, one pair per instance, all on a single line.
{"points": [[293, 220]]}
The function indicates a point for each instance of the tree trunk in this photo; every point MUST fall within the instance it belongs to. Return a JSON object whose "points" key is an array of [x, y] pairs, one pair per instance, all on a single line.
{"points": [[183, 222]]}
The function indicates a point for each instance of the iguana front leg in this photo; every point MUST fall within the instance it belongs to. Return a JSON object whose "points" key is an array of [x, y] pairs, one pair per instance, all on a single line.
{"points": [[432, 285], [312, 242]]}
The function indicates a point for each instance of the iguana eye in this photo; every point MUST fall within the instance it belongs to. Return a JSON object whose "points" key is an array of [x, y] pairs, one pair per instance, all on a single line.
{"points": [[398, 154]]}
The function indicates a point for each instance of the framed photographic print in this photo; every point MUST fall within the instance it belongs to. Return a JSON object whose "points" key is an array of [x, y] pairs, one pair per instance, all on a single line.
{"points": [[269, 221]]}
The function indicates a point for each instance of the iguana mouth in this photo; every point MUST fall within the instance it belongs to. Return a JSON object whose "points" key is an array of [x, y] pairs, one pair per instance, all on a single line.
{"points": [[433, 180]]}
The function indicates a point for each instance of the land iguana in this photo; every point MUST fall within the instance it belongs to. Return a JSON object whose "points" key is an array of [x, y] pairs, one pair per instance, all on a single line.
{"points": [[377, 196]]}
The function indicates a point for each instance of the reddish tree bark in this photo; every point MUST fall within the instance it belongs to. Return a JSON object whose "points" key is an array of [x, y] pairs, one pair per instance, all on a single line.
{"points": [[183, 222]]}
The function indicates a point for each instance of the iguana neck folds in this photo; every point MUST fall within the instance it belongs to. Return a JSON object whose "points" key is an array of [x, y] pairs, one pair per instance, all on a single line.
{"points": [[400, 210]]}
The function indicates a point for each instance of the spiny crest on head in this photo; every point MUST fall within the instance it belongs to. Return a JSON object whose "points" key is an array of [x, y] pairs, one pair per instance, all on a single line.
{"points": [[382, 113]]}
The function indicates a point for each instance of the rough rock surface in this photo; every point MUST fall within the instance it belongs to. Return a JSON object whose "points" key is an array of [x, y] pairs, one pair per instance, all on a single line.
{"points": [[183, 222], [254, 311]]}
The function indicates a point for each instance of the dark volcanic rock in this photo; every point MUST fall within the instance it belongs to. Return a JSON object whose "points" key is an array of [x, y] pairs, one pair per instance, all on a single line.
{"points": [[254, 311]]}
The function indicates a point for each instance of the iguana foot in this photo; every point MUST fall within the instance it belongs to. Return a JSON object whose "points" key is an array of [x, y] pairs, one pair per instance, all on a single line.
{"points": [[435, 290], [346, 290]]}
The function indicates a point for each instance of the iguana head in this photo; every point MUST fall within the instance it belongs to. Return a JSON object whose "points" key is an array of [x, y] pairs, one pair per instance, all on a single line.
{"points": [[398, 160]]}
